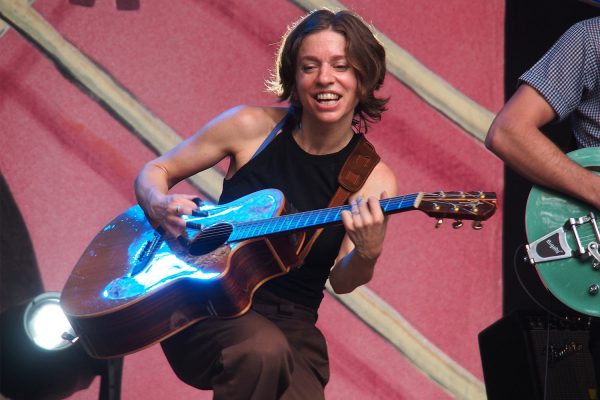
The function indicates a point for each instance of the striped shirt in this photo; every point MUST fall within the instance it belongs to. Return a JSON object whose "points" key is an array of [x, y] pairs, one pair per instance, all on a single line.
{"points": [[568, 77]]}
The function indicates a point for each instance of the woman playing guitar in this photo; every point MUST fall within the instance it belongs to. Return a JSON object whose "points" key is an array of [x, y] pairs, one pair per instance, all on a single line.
{"points": [[328, 68]]}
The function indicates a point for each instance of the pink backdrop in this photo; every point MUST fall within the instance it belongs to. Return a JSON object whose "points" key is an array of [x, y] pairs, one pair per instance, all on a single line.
{"points": [[70, 166]]}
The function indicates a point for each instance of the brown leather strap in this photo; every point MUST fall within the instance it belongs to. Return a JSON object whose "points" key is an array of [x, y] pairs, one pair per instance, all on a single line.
{"points": [[352, 177], [358, 166]]}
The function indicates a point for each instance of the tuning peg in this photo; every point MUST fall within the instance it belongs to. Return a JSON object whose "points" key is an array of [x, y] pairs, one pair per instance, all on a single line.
{"points": [[477, 225], [439, 223], [457, 224]]}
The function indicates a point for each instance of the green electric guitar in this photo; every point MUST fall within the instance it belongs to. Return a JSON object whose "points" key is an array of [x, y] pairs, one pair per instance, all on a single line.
{"points": [[564, 242]]}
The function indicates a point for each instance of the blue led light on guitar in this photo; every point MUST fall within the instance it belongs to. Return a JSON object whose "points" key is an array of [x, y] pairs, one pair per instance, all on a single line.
{"points": [[164, 268], [109, 227]]}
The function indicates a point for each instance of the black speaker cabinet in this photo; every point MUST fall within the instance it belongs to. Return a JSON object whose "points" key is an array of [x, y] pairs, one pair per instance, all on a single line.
{"points": [[538, 357]]}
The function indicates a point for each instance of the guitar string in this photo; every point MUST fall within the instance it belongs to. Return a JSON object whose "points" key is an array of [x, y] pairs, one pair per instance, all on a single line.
{"points": [[326, 214], [586, 232], [588, 237], [328, 211], [250, 225]]}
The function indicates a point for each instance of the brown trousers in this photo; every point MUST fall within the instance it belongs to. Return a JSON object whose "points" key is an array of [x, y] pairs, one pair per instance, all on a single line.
{"points": [[274, 351]]}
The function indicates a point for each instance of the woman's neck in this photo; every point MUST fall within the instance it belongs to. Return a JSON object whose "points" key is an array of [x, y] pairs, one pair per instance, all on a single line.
{"points": [[319, 138]]}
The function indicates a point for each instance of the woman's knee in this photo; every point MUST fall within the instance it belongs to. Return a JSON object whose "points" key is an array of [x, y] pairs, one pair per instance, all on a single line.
{"points": [[267, 349]]}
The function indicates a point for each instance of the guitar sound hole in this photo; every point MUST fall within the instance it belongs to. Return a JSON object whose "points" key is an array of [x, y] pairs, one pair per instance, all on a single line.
{"points": [[209, 239]]}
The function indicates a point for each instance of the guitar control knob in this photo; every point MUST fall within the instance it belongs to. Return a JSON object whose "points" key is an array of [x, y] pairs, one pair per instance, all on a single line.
{"points": [[477, 225], [457, 224], [593, 290], [439, 223]]}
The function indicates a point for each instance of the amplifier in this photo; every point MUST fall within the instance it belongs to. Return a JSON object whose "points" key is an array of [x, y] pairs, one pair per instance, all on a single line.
{"points": [[538, 357]]}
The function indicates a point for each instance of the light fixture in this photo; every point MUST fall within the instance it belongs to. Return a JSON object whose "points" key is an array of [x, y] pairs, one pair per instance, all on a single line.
{"points": [[46, 324], [40, 357]]}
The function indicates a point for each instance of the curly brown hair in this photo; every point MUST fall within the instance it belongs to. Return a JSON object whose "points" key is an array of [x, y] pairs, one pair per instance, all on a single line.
{"points": [[365, 54]]}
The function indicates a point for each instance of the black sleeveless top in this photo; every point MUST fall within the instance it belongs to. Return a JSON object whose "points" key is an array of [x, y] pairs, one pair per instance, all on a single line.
{"points": [[308, 182]]}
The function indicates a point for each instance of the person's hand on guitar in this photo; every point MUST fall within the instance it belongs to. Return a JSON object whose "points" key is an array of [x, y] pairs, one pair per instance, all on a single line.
{"points": [[365, 225], [166, 211]]}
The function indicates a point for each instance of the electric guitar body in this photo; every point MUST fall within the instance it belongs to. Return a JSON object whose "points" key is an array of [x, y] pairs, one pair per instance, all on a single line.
{"points": [[564, 240]]}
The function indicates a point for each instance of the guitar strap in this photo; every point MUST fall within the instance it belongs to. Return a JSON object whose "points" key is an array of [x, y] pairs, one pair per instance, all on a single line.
{"points": [[352, 177], [274, 132]]}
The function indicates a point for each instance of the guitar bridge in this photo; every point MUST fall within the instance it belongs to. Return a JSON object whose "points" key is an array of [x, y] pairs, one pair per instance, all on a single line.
{"points": [[146, 253], [574, 223]]}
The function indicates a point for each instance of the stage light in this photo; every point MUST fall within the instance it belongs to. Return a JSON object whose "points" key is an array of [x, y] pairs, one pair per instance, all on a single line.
{"points": [[40, 357], [46, 324]]}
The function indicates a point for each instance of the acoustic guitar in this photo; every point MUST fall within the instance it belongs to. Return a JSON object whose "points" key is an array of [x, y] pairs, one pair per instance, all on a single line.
{"points": [[564, 242], [134, 286]]}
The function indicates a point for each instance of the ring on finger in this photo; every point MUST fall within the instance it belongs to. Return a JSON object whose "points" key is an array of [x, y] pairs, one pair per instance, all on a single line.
{"points": [[178, 209]]}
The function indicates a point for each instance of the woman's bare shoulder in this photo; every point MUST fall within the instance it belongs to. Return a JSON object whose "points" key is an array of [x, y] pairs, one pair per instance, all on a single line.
{"points": [[254, 121], [382, 179]]}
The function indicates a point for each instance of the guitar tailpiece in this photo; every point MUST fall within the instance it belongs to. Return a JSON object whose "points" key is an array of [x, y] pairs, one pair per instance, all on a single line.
{"points": [[550, 247], [554, 246]]}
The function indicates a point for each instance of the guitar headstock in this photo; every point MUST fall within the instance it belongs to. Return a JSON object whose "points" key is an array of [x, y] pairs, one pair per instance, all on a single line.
{"points": [[475, 206]]}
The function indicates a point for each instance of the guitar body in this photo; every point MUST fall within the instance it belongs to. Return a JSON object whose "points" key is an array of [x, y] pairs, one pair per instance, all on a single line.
{"points": [[133, 287], [568, 279]]}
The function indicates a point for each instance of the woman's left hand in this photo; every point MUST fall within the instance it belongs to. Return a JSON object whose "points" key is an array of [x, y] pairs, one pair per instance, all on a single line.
{"points": [[365, 225]]}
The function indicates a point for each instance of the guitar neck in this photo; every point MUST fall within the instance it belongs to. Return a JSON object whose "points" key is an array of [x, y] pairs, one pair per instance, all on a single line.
{"points": [[313, 219]]}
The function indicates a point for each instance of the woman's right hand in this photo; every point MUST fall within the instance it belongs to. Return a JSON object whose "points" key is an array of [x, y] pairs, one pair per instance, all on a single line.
{"points": [[166, 211]]}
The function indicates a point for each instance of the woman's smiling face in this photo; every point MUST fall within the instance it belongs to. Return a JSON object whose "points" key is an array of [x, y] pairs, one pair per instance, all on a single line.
{"points": [[326, 83]]}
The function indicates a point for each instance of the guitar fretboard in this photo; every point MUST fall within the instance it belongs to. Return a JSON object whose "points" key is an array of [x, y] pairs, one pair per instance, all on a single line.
{"points": [[312, 219]]}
